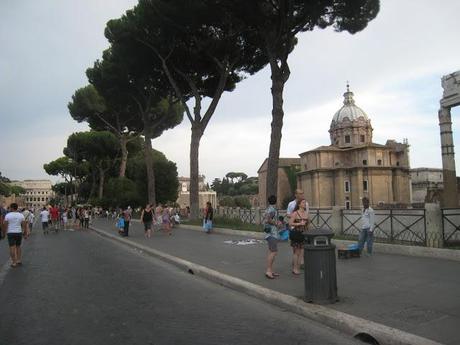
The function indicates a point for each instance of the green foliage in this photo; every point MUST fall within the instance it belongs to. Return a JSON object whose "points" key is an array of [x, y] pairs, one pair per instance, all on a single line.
{"points": [[238, 201], [227, 201], [5, 189], [236, 184], [291, 173], [242, 201], [166, 177], [17, 190], [123, 192]]}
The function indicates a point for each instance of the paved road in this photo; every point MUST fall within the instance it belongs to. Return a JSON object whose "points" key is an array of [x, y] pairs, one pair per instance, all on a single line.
{"points": [[417, 295], [78, 288]]}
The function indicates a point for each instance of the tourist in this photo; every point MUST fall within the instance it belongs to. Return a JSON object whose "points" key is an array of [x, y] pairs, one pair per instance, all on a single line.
{"points": [[54, 213], [15, 227], [208, 215], [271, 225], [166, 221], [291, 206], [64, 218], [31, 221], [27, 215], [127, 213], [86, 215], [159, 216], [147, 217], [45, 218], [367, 227], [298, 221], [2, 216]]}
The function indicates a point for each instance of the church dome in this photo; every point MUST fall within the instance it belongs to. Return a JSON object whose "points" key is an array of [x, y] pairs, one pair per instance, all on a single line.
{"points": [[349, 110], [350, 125]]}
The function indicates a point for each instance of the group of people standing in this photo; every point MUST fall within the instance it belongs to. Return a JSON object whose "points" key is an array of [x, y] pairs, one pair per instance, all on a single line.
{"points": [[58, 217], [298, 220], [153, 218]]}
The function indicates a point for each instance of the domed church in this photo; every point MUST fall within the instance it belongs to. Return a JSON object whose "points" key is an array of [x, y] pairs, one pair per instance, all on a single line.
{"points": [[353, 166]]}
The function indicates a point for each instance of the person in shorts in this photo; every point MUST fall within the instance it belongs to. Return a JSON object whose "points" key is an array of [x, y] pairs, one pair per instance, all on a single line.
{"points": [[271, 225], [147, 216], [15, 226], [45, 217]]}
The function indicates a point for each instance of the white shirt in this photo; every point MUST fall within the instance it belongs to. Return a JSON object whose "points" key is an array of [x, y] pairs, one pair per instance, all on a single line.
{"points": [[14, 220], [368, 219], [291, 207], [45, 216]]}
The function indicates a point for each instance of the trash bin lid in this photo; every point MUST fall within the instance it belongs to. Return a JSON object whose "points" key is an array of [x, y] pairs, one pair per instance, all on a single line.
{"points": [[319, 232]]}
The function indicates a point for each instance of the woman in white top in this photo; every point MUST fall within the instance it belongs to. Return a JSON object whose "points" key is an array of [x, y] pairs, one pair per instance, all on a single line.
{"points": [[14, 226]]}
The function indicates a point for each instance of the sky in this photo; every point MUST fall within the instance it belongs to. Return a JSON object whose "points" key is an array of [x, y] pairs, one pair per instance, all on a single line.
{"points": [[394, 68]]}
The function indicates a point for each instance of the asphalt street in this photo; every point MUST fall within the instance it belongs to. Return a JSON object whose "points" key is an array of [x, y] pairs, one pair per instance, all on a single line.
{"points": [[78, 288], [418, 295]]}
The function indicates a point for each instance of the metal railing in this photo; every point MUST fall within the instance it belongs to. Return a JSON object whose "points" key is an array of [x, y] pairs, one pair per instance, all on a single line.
{"points": [[451, 227], [391, 226]]}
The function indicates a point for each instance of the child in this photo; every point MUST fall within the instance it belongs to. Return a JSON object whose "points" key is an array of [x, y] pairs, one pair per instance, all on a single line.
{"points": [[120, 224], [284, 232]]}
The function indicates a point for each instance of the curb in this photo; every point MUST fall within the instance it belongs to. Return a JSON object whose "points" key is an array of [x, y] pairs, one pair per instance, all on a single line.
{"points": [[397, 249], [356, 327]]}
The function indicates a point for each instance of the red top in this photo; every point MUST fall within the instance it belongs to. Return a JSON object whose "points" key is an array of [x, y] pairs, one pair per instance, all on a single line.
{"points": [[54, 212]]}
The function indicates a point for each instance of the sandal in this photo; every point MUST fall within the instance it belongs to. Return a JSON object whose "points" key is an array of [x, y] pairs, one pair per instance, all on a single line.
{"points": [[296, 273], [275, 274], [269, 276]]}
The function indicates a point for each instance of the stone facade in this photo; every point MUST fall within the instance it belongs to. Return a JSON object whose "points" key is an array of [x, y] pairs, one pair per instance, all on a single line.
{"points": [[205, 195], [427, 185], [284, 187], [38, 192], [350, 168]]}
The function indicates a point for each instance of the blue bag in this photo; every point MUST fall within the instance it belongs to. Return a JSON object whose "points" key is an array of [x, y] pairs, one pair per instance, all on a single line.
{"points": [[284, 235]]}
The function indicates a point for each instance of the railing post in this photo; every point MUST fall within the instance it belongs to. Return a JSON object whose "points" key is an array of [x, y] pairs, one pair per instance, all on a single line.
{"points": [[391, 226], [336, 220], [257, 215], [433, 214]]}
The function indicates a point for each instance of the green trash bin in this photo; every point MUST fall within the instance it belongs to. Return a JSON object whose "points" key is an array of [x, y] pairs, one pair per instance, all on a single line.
{"points": [[320, 267]]}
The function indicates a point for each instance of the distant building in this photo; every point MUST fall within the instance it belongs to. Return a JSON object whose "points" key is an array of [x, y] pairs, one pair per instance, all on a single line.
{"points": [[353, 166], [205, 194], [38, 192], [285, 190], [427, 185]]}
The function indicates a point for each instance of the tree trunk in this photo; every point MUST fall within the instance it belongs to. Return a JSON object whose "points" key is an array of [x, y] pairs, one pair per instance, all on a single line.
{"points": [[124, 155], [278, 81], [101, 182], [194, 171], [150, 170], [93, 184]]}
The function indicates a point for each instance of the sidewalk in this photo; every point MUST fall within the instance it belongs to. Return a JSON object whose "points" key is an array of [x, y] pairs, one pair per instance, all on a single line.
{"points": [[417, 295]]}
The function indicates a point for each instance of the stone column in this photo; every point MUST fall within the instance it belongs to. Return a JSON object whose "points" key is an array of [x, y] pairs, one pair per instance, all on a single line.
{"points": [[450, 198], [433, 225], [336, 220]]}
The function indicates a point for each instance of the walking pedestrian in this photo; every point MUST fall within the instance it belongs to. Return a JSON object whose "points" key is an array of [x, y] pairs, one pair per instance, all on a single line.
{"points": [[127, 218], [208, 215], [298, 221], [15, 227], [271, 225], [45, 218], [147, 217], [54, 212], [86, 215], [166, 221], [367, 227]]}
